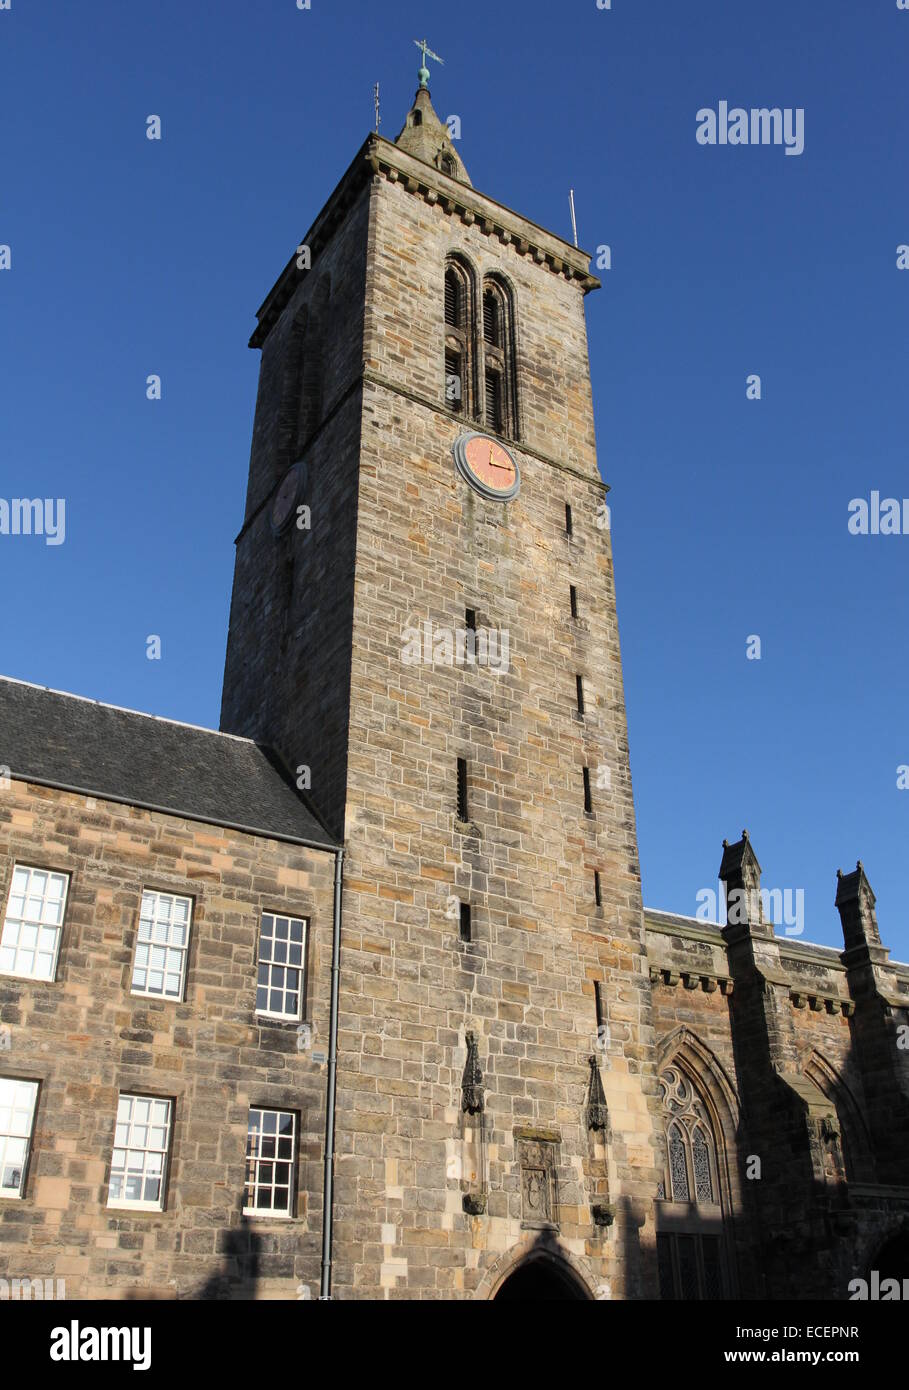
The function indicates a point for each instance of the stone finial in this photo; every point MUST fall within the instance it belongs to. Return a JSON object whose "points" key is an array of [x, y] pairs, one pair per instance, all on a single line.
{"points": [[472, 1080], [597, 1112], [855, 904], [740, 872]]}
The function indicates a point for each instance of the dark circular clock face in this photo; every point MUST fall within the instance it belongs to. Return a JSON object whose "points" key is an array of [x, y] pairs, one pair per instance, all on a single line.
{"points": [[487, 466], [287, 496]]}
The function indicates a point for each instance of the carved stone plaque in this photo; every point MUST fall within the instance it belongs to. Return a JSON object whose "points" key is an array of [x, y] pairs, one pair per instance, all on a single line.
{"points": [[537, 1205], [538, 1158]]}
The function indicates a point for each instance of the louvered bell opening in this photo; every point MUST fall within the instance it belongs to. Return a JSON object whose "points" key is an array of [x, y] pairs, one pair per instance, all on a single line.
{"points": [[494, 401], [491, 320], [454, 396], [452, 300]]}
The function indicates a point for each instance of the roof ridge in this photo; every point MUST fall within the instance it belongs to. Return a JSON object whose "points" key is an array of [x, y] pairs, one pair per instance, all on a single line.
{"points": [[125, 709]]}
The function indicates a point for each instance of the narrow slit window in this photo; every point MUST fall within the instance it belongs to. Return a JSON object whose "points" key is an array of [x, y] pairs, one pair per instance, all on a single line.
{"points": [[579, 680], [600, 1005], [462, 789], [470, 619], [573, 596], [597, 890], [588, 804], [465, 931], [569, 526]]}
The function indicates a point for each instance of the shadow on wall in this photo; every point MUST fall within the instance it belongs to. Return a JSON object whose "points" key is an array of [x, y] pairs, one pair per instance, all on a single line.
{"points": [[238, 1277]]}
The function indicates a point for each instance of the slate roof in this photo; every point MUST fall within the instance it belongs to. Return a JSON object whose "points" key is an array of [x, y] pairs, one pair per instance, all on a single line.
{"points": [[80, 745]]}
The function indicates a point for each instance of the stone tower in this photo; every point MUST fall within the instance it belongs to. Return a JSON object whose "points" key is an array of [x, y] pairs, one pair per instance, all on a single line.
{"points": [[423, 624]]}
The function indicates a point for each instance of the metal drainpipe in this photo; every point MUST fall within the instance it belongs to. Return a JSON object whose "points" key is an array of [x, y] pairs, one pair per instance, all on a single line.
{"points": [[328, 1183]]}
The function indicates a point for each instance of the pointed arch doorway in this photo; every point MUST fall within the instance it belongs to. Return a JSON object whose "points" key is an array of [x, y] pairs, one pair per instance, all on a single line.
{"points": [[541, 1279]]}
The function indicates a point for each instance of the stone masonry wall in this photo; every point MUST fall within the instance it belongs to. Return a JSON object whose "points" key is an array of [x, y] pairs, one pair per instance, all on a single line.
{"points": [[694, 987], [429, 547], [85, 1038], [287, 670]]}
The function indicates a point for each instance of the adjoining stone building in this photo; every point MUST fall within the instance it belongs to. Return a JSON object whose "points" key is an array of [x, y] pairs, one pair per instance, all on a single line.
{"points": [[359, 995]]}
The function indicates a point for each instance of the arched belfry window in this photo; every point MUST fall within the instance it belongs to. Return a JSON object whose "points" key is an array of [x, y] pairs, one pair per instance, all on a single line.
{"points": [[492, 317], [690, 1234], [460, 351], [499, 376]]}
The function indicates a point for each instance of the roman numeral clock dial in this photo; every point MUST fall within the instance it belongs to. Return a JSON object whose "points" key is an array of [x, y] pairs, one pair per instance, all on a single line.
{"points": [[487, 466]]}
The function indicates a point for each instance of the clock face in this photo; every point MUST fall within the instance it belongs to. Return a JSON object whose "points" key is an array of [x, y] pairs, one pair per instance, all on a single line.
{"points": [[286, 497], [487, 466]]}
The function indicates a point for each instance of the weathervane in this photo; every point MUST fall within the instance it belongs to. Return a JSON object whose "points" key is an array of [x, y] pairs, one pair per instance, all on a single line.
{"points": [[376, 98], [423, 45]]}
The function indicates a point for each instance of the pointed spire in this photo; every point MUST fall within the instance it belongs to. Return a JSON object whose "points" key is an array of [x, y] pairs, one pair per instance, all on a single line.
{"points": [[425, 137]]}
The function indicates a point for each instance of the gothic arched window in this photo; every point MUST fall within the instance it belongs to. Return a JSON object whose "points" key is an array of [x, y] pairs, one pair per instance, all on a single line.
{"points": [[689, 1142], [500, 393], [459, 338], [690, 1243]]}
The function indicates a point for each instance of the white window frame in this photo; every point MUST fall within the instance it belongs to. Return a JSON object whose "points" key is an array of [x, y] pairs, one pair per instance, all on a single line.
{"points": [[127, 1125], [255, 1159], [27, 920], [154, 900], [23, 1135], [272, 964]]}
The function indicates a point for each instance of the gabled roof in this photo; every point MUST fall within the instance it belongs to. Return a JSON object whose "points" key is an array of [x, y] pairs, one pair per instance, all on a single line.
{"points": [[75, 744]]}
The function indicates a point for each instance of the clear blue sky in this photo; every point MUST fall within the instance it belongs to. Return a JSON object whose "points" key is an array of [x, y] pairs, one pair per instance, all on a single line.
{"points": [[729, 516]]}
